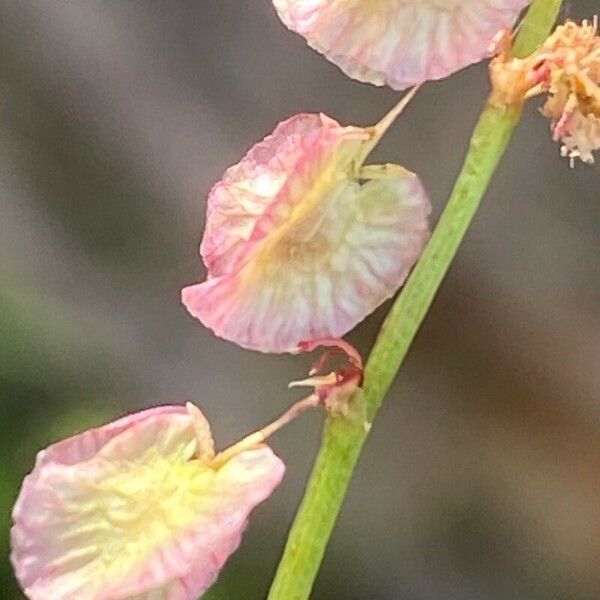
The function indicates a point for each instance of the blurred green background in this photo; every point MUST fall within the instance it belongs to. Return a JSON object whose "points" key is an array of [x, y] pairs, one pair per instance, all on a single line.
{"points": [[482, 477]]}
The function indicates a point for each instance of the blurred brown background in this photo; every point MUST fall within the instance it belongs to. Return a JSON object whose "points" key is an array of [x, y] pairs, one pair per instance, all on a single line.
{"points": [[482, 476]]}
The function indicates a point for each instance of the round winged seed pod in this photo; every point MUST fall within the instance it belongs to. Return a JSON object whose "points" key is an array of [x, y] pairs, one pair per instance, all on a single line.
{"points": [[301, 241], [400, 42], [135, 510]]}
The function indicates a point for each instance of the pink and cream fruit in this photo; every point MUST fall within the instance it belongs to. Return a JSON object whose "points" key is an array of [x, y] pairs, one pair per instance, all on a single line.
{"points": [[400, 43], [137, 509], [302, 241]]}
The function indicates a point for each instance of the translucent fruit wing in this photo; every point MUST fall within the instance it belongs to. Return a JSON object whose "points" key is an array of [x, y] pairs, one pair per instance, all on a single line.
{"points": [[323, 252], [142, 516], [84, 446], [399, 42]]}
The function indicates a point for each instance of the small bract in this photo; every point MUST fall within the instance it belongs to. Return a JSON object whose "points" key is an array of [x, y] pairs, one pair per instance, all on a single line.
{"points": [[302, 241], [140, 508], [400, 42]]}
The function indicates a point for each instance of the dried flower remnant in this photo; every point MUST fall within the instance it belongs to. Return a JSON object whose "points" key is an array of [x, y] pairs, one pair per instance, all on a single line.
{"points": [[567, 68], [573, 106], [400, 42], [140, 508], [335, 389], [302, 241]]}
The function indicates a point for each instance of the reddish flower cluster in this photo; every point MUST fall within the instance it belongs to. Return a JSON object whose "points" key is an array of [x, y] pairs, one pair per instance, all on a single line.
{"points": [[566, 68]]}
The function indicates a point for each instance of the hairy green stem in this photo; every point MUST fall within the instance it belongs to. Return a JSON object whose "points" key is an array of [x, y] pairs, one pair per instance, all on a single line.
{"points": [[343, 438]]}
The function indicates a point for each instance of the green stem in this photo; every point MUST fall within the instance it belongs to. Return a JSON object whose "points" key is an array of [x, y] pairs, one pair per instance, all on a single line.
{"points": [[536, 26], [488, 143], [343, 438]]}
